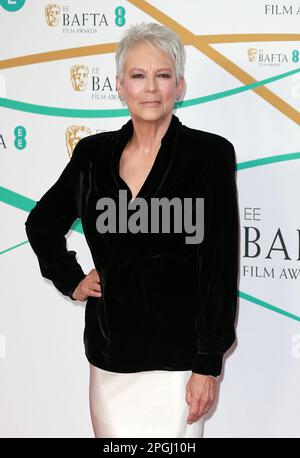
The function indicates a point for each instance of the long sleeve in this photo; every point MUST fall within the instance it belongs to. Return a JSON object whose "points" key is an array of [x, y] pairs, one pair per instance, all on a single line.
{"points": [[50, 220], [218, 265]]}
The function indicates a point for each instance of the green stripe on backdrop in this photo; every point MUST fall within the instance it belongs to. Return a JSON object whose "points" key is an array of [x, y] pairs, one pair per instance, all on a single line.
{"points": [[16, 200], [268, 160], [24, 203], [21, 202], [268, 306], [77, 113]]}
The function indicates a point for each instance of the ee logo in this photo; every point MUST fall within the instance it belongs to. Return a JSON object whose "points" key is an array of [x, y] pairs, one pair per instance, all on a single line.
{"points": [[120, 16], [12, 5], [295, 56], [20, 134]]}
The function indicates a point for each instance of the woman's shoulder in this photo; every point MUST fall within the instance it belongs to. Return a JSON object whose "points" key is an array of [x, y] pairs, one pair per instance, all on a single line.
{"points": [[207, 148], [209, 138], [87, 147], [97, 138]]}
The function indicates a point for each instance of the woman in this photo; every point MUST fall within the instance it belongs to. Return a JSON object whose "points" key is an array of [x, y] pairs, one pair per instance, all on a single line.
{"points": [[160, 307]]}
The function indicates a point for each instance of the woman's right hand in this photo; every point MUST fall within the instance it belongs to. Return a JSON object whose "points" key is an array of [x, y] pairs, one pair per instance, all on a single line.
{"points": [[88, 286]]}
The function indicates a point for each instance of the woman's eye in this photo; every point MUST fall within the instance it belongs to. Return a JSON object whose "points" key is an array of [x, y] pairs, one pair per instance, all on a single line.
{"points": [[140, 75]]}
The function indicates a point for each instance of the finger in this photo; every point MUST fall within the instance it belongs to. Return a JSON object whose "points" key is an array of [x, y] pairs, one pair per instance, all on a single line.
{"points": [[204, 401], [203, 409], [94, 275], [95, 286], [198, 408], [89, 291], [193, 412], [212, 393], [91, 284], [188, 397], [93, 293]]}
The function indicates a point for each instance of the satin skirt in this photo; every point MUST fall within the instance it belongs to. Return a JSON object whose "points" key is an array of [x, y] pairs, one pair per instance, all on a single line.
{"points": [[141, 404]]}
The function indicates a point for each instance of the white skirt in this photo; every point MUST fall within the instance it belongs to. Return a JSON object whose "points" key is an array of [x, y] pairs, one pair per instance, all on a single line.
{"points": [[141, 404]]}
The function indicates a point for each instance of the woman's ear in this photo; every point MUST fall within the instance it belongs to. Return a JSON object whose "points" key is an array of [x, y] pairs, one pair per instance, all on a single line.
{"points": [[119, 88], [180, 88]]}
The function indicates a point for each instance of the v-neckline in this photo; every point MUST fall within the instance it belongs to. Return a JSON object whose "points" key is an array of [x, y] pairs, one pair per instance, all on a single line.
{"points": [[125, 182], [159, 167]]}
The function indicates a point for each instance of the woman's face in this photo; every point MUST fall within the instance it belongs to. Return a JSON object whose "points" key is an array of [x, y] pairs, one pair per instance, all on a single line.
{"points": [[149, 83]]}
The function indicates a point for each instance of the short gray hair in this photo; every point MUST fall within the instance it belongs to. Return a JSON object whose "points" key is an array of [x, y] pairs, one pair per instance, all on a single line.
{"points": [[159, 36]]}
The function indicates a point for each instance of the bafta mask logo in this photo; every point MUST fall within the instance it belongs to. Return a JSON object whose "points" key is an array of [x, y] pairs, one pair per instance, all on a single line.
{"points": [[252, 53], [79, 77], [52, 12], [73, 135]]}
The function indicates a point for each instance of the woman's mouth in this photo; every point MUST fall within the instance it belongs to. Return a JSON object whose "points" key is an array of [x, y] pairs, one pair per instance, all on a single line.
{"points": [[151, 103]]}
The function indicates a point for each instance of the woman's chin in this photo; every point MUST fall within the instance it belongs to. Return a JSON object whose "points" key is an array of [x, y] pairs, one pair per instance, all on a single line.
{"points": [[151, 114]]}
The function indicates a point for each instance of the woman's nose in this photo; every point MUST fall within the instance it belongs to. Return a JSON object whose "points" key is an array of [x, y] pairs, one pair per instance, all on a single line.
{"points": [[151, 84]]}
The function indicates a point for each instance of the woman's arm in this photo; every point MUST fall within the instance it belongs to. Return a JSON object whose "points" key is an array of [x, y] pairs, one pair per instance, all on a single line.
{"points": [[218, 265], [51, 219]]}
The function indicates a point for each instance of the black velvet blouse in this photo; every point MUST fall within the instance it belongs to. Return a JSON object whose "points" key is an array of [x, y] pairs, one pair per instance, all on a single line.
{"points": [[166, 304]]}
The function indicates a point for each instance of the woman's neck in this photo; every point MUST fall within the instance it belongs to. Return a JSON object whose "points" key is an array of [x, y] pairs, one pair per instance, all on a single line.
{"points": [[147, 135]]}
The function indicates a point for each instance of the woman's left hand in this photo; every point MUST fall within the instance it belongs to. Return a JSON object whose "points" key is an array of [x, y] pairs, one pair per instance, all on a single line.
{"points": [[200, 394]]}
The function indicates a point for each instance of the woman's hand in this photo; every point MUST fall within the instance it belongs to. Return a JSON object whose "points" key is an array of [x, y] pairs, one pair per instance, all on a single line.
{"points": [[88, 286], [200, 395]]}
